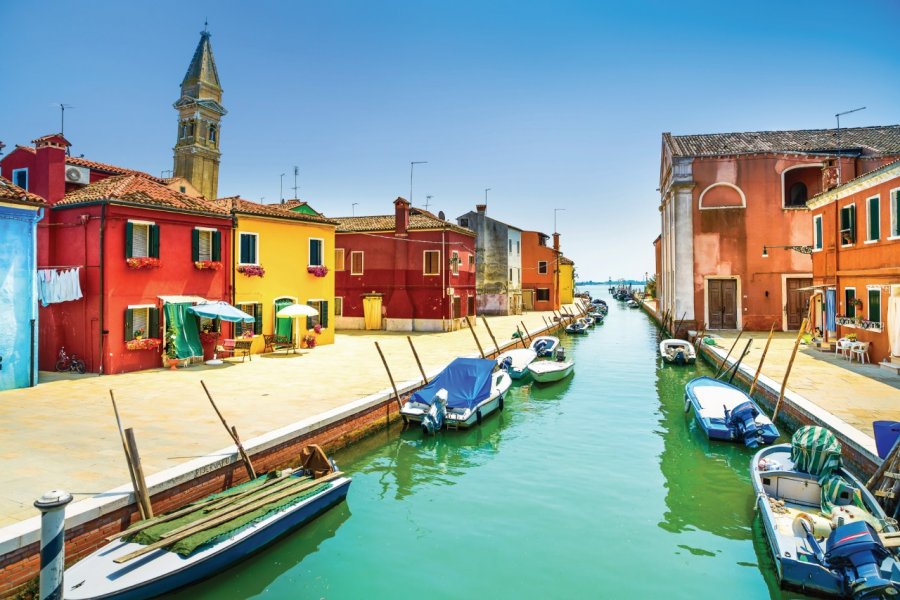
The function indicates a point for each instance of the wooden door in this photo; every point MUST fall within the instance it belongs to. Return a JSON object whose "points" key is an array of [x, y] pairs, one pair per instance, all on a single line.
{"points": [[797, 301], [722, 294]]}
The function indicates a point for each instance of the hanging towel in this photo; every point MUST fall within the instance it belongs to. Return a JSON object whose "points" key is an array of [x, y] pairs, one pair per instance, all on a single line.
{"points": [[830, 310], [893, 324]]}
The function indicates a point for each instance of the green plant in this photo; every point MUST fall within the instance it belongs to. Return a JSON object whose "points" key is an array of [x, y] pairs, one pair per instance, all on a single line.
{"points": [[171, 336]]}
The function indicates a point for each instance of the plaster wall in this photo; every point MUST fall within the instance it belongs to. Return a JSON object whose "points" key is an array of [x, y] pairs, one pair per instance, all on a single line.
{"points": [[18, 296]]}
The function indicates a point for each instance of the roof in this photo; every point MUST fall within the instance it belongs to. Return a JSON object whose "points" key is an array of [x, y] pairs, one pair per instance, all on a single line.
{"points": [[878, 140], [203, 65], [10, 193], [136, 190], [563, 260], [418, 220], [107, 168], [485, 215], [237, 205], [857, 184]]}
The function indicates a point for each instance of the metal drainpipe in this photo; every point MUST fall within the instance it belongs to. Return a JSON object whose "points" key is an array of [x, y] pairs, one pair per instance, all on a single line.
{"points": [[443, 279], [102, 283]]}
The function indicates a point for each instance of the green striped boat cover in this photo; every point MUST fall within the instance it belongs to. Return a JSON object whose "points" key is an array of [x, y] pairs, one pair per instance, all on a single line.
{"points": [[816, 451], [832, 488]]}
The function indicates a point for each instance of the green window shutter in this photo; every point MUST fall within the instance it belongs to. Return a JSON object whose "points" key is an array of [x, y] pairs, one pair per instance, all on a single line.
{"points": [[309, 321], [195, 245], [153, 325], [874, 219], [849, 306], [217, 245], [154, 241], [323, 316], [853, 223], [818, 239], [874, 305], [129, 323], [129, 239], [257, 324], [239, 327]]}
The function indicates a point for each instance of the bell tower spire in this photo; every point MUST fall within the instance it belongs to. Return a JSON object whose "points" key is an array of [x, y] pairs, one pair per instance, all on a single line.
{"points": [[200, 111]]}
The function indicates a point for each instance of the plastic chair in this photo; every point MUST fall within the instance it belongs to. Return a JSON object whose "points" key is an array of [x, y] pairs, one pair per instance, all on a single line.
{"points": [[842, 347], [861, 351]]}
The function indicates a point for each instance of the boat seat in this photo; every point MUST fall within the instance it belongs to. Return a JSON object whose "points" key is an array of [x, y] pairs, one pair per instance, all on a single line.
{"points": [[717, 399]]}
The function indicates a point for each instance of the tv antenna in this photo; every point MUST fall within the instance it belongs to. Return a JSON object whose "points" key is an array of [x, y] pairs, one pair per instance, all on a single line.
{"points": [[62, 117], [428, 201], [296, 172]]}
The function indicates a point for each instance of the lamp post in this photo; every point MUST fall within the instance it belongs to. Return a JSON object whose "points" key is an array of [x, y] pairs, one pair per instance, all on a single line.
{"points": [[353, 208], [486, 190], [412, 164], [838, 117]]}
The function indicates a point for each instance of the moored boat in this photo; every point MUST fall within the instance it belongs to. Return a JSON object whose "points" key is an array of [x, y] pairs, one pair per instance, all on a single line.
{"points": [[545, 345], [515, 362], [633, 304], [169, 552], [576, 328], [826, 531], [548, 371], [727, 413], [677, 352]]}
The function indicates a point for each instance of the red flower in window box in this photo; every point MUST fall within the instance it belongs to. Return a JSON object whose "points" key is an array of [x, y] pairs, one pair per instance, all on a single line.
{"points": [[144, 344], [212, 265], [251, 270], [143, 262], [319, 271]]}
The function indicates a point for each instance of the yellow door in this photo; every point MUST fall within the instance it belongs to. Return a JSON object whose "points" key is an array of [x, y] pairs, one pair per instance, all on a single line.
{"points": [[372, 312]]}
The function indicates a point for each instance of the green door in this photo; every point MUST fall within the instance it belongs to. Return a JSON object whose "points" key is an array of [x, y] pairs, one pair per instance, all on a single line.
{"points": [[283, 326]]}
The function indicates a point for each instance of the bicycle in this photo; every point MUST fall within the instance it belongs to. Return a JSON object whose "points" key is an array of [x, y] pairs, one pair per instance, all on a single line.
{"points": [[72, 364]]}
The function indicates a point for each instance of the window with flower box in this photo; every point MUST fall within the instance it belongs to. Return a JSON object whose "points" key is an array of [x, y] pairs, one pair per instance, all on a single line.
{"points": [[316, 254], [321, 318], [141, 321], [141, 240], [255, 310], [850, 302], [206, 245]]}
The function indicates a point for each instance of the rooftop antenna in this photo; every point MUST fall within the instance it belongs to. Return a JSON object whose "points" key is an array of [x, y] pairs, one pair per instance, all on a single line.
{"points": [[428, 201], [281, 188], [296, 172], [838, 117], [62, 122], [2, 146], [353, 208], [162, 174]]}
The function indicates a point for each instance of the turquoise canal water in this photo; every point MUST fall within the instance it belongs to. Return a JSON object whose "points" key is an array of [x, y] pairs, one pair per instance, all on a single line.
{"points": [[596, 487]]}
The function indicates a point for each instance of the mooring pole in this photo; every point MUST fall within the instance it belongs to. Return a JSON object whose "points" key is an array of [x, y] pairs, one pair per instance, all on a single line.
{"points": [[143, 492], [490, 333], [391, 377], [53, 542], [245, 458], [737, 365], [790, 364], [762, 359], [418, 362], [677, 326], [521, 338], [134, 483], [472, 329], [727, 356], [525, 329]]}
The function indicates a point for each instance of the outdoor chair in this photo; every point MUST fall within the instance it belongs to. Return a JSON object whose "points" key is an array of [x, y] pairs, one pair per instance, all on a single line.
{"points": [[233, 347], [277, 342], [842, 347], [861, 351]]}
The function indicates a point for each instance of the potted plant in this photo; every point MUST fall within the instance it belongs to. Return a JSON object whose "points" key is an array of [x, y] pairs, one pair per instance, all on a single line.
{"points": [[310, 341], [138, 333], [171, 352]]}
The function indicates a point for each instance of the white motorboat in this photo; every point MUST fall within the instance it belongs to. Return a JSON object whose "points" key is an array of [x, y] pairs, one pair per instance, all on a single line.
{"points": [[515, 362], [547, 371], [678, 352], [544, 345]]}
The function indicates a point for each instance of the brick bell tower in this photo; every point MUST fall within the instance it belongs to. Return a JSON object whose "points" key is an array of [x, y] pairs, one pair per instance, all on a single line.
{"points": [[197, 153]]}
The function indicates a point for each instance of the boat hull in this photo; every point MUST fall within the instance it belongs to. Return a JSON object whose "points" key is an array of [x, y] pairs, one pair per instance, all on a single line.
{"points": [[552, 376], [707, 411], [463, 418]]}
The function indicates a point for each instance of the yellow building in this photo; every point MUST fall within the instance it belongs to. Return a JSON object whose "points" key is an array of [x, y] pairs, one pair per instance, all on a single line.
{"points": [[566, 280], [278, 255]]}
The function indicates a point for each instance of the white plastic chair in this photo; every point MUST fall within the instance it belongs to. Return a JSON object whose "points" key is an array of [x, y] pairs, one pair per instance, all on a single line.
{"points": [[861, 351], [842, 347]]}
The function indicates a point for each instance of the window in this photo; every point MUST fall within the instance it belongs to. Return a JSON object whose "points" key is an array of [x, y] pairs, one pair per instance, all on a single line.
{"points": [[454, 262], [141, 321], [464, 222], [542, 267], [471, 260], [510, 246], [817, 232], [251, 308], [873, 219], [895, 213], [848, 225], [141, 240], [510, 274], [206, 244], [338, 259], [798, 194], [211, 325], [356, 263], [471, 306], [321, 318], [20, 178], [315, 252], [850, 302], [518, 247], [191, 128], [183, 130], [212, 133], [432, 262], [543, 295], [182, 189], [338, 306], [249, 249], [874, 305]]}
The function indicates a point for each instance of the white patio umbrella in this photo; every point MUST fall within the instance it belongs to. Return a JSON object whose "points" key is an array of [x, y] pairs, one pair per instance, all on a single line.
{"points": [[295, 311]]}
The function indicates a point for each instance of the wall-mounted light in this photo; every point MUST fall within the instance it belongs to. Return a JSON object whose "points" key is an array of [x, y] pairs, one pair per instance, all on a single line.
{"points": [[800, 249]]}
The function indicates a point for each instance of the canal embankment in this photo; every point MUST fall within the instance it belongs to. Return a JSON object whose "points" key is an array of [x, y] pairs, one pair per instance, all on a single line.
{"points": [[62, 434]]}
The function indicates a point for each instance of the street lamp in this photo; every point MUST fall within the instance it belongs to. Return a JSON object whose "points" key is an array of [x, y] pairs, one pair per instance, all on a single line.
{"points": [[838, 117], [486, 190], [555, 210], [412, 164], [353, 208], [800, 249]]}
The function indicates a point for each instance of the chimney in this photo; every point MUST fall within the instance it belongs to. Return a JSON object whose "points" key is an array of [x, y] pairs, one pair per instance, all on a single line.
{"points": [[556, 242], [481, 208], [48, 178], [401, 216]]}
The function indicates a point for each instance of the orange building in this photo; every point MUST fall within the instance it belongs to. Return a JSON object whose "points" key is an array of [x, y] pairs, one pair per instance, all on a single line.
{"points": [[540, 271], [856, 262]]}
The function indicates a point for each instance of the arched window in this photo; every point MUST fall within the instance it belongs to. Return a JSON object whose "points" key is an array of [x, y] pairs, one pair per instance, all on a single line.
{"points": [[798, 195], [183, 130], [212, 133], [191, 129]]}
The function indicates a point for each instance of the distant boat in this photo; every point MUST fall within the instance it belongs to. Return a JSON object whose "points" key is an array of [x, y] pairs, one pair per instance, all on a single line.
{"points": [[515, 362], [826, 531], [576, 328], [548, 371], [727, 413], [460, 396], [544, 345], [633, 304], [677, 352]]}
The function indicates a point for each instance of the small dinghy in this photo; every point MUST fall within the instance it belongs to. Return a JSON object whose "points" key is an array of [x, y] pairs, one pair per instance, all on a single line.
{"points": [[576, 328], [726, 413], [460, 396], [826, 531], [544, 345], [633, 304], [515, 362], [677, 352], [588, 321], [162, 554], [548, 371]]}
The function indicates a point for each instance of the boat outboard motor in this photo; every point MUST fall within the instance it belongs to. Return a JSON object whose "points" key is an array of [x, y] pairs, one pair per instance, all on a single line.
{"points": [[560, 354], [679, 357], [540, 347], [433, 420], [506, 363], [855, 551], [742, 421]]}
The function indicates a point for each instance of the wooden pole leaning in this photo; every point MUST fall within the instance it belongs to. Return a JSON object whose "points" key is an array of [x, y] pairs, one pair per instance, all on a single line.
{"points": [[390, 377], [727, 356], [490, 333], [144, 494], [525, 329], [677, 327], [245, 458], [521, 337], [418, 362], [134, 483], [790, 365], [474, 335], [762, 359]]}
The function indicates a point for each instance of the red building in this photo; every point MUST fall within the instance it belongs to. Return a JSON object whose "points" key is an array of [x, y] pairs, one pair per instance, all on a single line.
{"points": [[409, 271], [856, 263], [137, 244], [540, 271]]}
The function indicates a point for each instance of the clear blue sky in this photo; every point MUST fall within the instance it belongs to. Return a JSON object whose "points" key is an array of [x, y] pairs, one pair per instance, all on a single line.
{"points": [[551, 104]]}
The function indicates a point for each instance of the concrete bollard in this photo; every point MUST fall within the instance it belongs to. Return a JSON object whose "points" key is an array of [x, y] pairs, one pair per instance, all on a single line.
{"points": [[53, 541]]}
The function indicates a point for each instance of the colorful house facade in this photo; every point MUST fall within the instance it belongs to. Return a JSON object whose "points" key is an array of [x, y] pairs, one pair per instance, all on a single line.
{"points": [[540, 271], [409, 271], [856, 262], [736, 232], [281, 257], [20, 212], [566, 280], [498, 263]]}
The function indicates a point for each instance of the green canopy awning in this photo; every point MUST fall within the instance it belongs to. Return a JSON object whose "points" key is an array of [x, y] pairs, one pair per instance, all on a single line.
{"points": [[187, 334]]}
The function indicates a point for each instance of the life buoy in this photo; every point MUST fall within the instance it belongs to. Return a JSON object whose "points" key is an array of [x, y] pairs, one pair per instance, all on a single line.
{"points": [[478, 416]]}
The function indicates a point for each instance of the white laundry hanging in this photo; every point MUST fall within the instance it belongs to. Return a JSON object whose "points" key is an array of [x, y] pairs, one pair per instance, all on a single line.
{"points": [[59, 285]]}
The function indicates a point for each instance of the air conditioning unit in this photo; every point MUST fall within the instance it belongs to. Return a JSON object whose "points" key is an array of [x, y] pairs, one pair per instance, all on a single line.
{"points": [[79, 175]]}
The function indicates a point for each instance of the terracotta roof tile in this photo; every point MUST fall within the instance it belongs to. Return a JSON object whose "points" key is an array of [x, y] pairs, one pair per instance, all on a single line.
{"points": [[107, 168], [26, 148], [418, 220], [137, 190], [870, 141], [869, 175], [563, 260], [10, 193], [238, 205]]}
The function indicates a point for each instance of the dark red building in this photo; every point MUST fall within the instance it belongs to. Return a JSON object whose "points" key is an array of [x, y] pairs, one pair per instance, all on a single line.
{"points": [[410, 271]]}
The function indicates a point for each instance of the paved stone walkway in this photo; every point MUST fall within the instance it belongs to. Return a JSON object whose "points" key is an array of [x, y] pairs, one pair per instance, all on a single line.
{"points": [[62, 433]]}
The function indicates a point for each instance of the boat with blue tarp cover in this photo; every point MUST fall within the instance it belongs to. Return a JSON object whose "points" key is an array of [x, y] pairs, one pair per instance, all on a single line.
{"points": [[826, 531], [460, 396], [727, 413]]}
